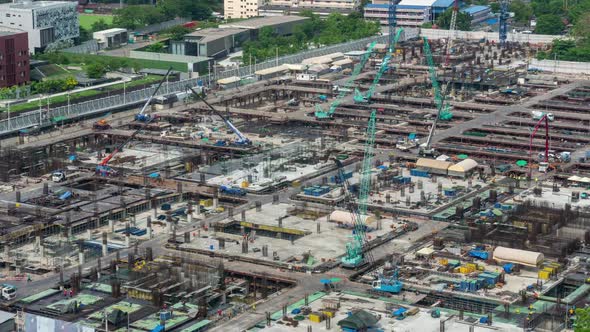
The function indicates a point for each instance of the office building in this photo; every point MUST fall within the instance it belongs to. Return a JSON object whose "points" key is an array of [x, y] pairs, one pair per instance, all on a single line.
{"points": [[44, 21], [14, 58]]}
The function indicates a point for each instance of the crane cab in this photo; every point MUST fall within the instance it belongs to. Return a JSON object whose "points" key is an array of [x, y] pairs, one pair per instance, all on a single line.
{"points": [[543, 167]]}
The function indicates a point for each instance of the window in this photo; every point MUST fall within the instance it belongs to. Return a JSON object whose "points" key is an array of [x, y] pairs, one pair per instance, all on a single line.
{"points": [[7, 15]]}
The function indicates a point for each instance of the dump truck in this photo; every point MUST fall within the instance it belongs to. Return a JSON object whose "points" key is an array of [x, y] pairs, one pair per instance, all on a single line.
{"points": [[8, 291]]}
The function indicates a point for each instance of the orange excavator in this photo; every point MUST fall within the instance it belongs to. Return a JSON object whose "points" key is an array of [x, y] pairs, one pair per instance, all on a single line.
{"points": [[102, 124]]}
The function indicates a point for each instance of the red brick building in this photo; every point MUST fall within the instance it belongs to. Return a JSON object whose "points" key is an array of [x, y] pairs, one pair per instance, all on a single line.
{"points": [[14, 58]]}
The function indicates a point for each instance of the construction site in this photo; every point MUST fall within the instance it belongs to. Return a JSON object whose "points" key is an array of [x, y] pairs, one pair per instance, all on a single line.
{"points": [[417, 184]]}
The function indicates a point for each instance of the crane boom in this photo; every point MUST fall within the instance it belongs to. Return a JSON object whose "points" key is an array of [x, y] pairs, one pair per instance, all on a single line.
{"points": [[103, 167], [242, 139], [452, 30], [439, 98], [355, 255], [319, 112], [141, 116], [358, 96]]}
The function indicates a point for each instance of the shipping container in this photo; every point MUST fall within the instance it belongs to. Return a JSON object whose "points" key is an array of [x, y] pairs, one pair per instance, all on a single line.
{"points": [[419, 173]]}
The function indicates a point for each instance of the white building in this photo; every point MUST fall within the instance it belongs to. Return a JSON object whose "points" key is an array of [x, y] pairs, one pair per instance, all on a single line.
{"points": [[413, 13], [111, 38], [241, 8], [45, 21], [320, 7]]}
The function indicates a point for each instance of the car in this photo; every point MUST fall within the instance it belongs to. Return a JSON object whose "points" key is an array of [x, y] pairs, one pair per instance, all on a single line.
{"points": [[256, 250]]}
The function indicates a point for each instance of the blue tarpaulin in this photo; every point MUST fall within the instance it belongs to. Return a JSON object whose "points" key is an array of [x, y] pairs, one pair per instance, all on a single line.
{"points": [[65, 195], [508, 267], [72, 157], [154, 175], [399, 312]]}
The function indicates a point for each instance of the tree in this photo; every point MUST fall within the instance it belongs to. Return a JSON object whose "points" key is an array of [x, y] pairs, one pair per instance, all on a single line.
{"points": [[95, 70], [132, 17], [99, 25], [155, 48], [68, 83], [544, 7], [196, 9], [582, 323], [463, 20], [549, 25], [495, 7], [578, 10], [522, 11], [581, 29], [84, 35], [178, 32]]}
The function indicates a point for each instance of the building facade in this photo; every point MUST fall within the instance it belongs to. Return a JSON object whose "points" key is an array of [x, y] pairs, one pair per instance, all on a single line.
{"points": [[44, 21], [241, 8], [479, 14], [14, 58], [320, 7], [408, 13]]}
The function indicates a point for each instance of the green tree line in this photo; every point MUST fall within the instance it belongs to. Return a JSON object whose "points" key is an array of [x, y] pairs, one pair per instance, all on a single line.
{"points": [[336, 28]]}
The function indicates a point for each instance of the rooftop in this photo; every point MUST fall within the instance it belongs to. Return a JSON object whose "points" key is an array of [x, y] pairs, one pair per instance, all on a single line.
{"points": [[257, 23], [474, 9], [35, 4], [443, 3], [210, 34], [417, 3], [112, 30]]}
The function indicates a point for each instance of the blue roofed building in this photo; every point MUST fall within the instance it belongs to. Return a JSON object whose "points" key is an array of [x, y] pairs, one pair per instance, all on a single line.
{"points": [[440, 6], [377, 12], [409, 13], [479, 14], [414, 13]]}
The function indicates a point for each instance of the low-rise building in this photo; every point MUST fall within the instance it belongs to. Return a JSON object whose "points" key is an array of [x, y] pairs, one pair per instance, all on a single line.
{"points": [[413, 13], [111, 38], [219, 42], [212, 42], [282, 26], [377, 12], [45, 22], [479, 14], [14, 58], [409, 13]]}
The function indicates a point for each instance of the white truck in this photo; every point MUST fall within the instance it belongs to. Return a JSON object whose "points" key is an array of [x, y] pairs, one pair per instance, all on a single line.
{"points": [[58, 176], [537, 115], [8, 292]]}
